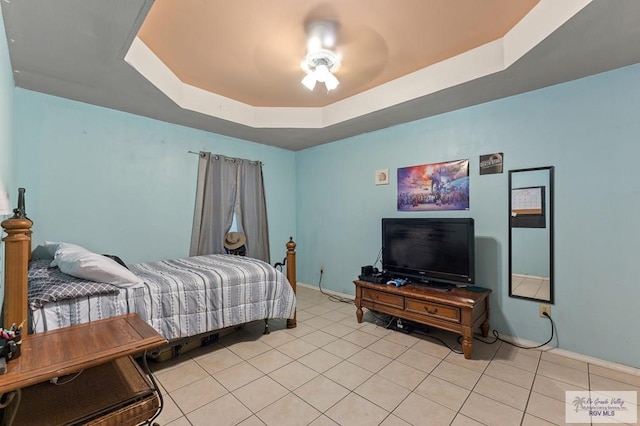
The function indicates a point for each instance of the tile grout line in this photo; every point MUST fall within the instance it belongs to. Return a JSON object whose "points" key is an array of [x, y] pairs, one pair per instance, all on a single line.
{"points": [[535, 376]]}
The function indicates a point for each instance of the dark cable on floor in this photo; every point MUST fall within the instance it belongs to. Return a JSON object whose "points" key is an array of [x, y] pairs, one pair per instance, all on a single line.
{"points": [[332, 297], [393, 319], [495, 333], [497, 337], [386, 322]]}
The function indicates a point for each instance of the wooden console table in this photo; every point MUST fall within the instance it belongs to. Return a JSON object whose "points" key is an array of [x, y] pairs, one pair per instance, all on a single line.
{"points": [[457, 310], [84, 347]]}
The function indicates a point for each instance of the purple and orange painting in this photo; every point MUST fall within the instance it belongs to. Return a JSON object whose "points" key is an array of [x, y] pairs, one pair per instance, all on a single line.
{"points": [[438, 186]]}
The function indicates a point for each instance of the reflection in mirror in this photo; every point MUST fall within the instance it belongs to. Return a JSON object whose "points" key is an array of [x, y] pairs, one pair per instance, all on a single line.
{"points": [[531, 233]]}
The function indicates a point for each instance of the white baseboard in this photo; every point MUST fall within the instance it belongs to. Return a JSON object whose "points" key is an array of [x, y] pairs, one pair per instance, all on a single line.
{"points": [[574, 355], [324, 290], [523, 342], [597, 361]]}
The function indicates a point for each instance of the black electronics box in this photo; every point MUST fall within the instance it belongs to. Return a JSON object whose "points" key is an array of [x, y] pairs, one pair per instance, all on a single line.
{"points": [[371, 274], [378, 278], [365, 271]]}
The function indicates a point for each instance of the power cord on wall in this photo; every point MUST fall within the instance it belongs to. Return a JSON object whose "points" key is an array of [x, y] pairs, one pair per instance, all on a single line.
{"points": [[378, 258], [332, 297], [497, 336]]}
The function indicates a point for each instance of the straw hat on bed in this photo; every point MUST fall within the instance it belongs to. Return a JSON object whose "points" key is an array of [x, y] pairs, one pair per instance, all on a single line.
{"points": [[234, 240]]}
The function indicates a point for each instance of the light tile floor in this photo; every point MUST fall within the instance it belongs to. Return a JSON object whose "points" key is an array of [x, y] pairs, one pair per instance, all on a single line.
{"points": [[330, 370]]}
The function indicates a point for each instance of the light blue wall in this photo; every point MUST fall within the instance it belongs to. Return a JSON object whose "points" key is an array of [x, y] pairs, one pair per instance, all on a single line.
{"points": [[123, 184], [6, 132], [588, 129]]}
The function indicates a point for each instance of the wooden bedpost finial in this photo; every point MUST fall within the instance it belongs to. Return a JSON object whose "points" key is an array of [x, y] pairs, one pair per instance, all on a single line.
{"points": [[291, 274], [20, 212]]}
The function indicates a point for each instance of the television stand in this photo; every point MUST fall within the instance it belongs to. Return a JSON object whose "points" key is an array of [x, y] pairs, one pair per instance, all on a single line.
{"points": [[458, 310]]}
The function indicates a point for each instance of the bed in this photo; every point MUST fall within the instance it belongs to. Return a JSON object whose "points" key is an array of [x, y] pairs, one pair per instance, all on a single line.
{"points": [[180, 298]]}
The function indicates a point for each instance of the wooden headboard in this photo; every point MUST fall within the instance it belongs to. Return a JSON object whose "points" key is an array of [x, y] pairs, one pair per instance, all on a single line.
{"points": [[18, 253]]}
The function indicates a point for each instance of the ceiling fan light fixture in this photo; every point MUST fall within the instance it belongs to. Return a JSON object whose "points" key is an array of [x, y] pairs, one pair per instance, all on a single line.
{"points": [[321, 62], [331, 82], [322, 73], [309, 81], [320, 65]]}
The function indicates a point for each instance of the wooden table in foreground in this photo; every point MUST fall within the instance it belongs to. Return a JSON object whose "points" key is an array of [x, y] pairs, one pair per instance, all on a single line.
{"points": [[60, 352], [457, 310]]}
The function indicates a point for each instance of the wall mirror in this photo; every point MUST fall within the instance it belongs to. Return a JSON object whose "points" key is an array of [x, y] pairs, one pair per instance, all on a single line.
{"points": [[531, 233]]}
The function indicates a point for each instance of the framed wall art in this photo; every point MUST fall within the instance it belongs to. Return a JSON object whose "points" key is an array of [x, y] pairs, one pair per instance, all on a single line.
{"points": [[491, 163], [382, 177], [438, 186]]}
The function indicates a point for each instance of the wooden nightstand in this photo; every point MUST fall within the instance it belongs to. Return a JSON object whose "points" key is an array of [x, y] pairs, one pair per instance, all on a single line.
{"points": [[90, 348]]}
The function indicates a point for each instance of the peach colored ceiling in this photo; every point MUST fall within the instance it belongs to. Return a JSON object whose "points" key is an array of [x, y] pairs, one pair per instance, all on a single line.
{"points": [[250, 50]]}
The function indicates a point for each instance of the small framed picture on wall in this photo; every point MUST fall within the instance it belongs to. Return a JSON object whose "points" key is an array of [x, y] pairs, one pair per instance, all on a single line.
{"points": [[382, 177]]}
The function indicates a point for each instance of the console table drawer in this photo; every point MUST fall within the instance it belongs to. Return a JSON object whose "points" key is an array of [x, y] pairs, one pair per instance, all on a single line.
{"points": [[383, 298], [433, 309]]}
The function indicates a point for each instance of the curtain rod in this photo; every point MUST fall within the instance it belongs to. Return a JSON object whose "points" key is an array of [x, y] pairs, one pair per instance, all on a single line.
{"points": [[201, 154]]}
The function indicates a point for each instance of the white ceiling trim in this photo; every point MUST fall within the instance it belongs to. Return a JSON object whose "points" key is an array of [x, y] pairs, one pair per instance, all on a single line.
{"points": [[538, 24], [484, 60]]}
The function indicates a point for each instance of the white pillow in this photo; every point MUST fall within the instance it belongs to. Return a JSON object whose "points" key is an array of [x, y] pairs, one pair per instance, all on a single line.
{"points": [[54, 247], [95, 267]]}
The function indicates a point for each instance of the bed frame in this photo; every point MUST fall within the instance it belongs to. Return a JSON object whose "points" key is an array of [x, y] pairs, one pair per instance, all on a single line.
{"points": [[18, 253]]}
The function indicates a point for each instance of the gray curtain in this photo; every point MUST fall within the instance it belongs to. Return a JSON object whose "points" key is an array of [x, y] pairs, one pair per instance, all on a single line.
{"points": [[227, 185], [252, 210]]}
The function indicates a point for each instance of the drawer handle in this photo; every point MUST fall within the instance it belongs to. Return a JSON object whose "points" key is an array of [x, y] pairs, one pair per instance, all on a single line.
{"points": [[431, 311]]}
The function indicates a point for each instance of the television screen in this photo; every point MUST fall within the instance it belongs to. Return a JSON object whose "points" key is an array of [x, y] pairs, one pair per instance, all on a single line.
{"points": [[429, 249]]}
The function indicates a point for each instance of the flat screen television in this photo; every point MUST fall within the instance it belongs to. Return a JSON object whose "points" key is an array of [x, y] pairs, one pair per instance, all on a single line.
{"points": [[433, 250]]}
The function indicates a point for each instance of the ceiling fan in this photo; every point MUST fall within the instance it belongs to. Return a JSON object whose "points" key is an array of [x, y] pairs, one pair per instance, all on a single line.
{"points": [[321, 61]]}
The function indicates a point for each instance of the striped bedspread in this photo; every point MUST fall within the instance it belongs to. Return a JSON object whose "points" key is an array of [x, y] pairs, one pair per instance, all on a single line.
{"points": [[184, 297]]}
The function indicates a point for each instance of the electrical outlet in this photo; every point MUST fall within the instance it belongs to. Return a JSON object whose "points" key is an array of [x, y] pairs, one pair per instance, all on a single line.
{"points": [[545, 309], [321, 268]]}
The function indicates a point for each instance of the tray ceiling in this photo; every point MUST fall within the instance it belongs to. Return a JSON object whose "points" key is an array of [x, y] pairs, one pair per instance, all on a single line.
{"points": [[233, 68]]}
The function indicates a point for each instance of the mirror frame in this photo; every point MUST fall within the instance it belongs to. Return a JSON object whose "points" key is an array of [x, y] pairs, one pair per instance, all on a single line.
{"points": [[550, 190]]}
